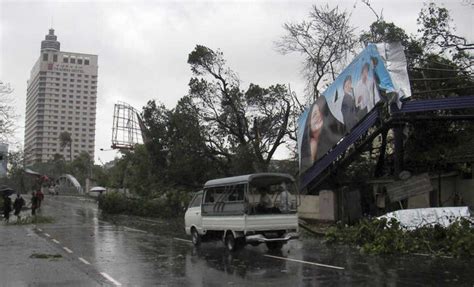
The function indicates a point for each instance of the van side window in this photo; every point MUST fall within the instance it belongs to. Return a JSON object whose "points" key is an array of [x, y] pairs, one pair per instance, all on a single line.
{"points": [[197, 201], [214, 194], [236, 192]]}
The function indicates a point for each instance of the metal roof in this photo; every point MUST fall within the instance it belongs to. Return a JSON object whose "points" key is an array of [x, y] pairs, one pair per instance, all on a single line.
{"points": [[451, 103], [246, 178]]}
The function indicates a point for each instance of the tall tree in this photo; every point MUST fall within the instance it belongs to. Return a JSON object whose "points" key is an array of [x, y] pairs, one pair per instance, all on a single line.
{"points": [[177, 143], [241, 126], [65, 139], [438, 32], [437, 68], [7, 113], [326, 39], [187, 147]]}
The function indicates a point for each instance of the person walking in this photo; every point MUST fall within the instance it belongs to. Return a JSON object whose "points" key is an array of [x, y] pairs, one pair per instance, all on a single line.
{"points": [[18, 205], [40, 196], [34, 203], [7, 207]]}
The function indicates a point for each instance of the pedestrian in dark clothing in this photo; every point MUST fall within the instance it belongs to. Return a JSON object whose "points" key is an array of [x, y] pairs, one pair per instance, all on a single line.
{"points": [[7, 207], [18, 205], [34, 203]]}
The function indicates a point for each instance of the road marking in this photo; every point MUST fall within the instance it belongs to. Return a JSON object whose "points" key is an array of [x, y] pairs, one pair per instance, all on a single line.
{"points": [[47, 235], [149, 220], [55, 241], [67, 249], [181, 239], [84, 261], [107, 276], [133, 229], [306, 262], [39, 229]]}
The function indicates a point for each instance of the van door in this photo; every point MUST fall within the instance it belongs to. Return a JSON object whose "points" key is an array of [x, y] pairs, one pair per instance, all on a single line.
{"points": [[193, 215]]}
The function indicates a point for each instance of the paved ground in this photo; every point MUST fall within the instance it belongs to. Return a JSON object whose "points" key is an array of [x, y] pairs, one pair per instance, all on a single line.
{"points": [[18, 268], [128, 251]]}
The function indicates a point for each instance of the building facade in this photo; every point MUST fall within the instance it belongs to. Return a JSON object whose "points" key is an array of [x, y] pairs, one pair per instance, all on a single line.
{"points": [[61, 97]]}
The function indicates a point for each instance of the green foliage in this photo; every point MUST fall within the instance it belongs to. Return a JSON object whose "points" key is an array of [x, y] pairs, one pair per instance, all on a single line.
{"points": [[37, 219], [114, 203], [170, 204], [382, 31], [382, 237], [176, 143]]}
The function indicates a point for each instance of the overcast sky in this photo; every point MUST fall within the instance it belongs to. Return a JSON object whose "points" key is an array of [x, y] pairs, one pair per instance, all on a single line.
{"points": [[143, 45]]}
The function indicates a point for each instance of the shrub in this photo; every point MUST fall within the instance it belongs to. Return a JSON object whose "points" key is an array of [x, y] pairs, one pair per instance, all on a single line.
{"points": [[381, 237], [114, 203], [170, 204]]}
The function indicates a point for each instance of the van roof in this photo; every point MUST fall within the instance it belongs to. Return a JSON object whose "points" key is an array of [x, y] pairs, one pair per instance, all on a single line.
{"points": [[250, 177]]}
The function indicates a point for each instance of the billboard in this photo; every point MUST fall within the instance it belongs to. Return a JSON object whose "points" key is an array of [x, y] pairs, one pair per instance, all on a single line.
{"points": [[377, 74]]}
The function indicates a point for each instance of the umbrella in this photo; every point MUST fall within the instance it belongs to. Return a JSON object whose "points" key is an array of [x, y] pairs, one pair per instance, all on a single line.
{"points": [[29, 171], [97, 189], [6, 191]]}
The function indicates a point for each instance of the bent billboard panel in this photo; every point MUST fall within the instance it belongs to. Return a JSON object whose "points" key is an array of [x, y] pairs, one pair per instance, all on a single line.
{"points": [[356, 91]]}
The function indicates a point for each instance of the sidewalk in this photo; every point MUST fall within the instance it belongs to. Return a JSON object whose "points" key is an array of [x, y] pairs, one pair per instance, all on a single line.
{"points": [[17, 268]]}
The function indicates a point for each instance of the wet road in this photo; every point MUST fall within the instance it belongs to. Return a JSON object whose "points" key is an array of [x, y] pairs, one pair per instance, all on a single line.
{"points": [[128, 251]]}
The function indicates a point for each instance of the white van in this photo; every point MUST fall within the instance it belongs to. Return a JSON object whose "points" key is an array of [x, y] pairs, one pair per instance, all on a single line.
{"points": [[255, 208]]}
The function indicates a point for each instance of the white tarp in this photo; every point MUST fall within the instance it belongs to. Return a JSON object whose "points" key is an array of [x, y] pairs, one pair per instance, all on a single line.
{"points": [[419, 217]]}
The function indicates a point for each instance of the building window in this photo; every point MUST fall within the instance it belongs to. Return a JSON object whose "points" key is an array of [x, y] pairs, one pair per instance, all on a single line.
{"points": [[55, 58], [86, 62], [73, 61], [79, 61], [65, 60]]}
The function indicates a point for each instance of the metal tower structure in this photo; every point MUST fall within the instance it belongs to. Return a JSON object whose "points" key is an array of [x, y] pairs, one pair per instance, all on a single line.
{"points": [[126, 130]]}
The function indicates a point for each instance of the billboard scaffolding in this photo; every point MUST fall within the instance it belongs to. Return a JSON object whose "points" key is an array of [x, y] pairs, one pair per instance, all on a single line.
{"points": [[126, 130]]}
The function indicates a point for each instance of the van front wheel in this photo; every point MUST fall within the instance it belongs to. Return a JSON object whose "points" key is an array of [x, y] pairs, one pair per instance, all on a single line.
{"points": [[196, 238]]}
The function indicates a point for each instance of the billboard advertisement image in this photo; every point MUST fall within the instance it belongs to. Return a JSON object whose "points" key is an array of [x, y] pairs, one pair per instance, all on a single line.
{"points": [[354, 93]]}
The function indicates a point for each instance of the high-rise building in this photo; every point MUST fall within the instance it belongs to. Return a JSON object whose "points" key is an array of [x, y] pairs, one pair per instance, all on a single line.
{"points": [[61, 97]]}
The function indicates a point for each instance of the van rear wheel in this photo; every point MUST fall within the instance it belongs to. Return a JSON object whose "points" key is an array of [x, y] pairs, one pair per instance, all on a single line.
{"points": [[196, 238]]}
